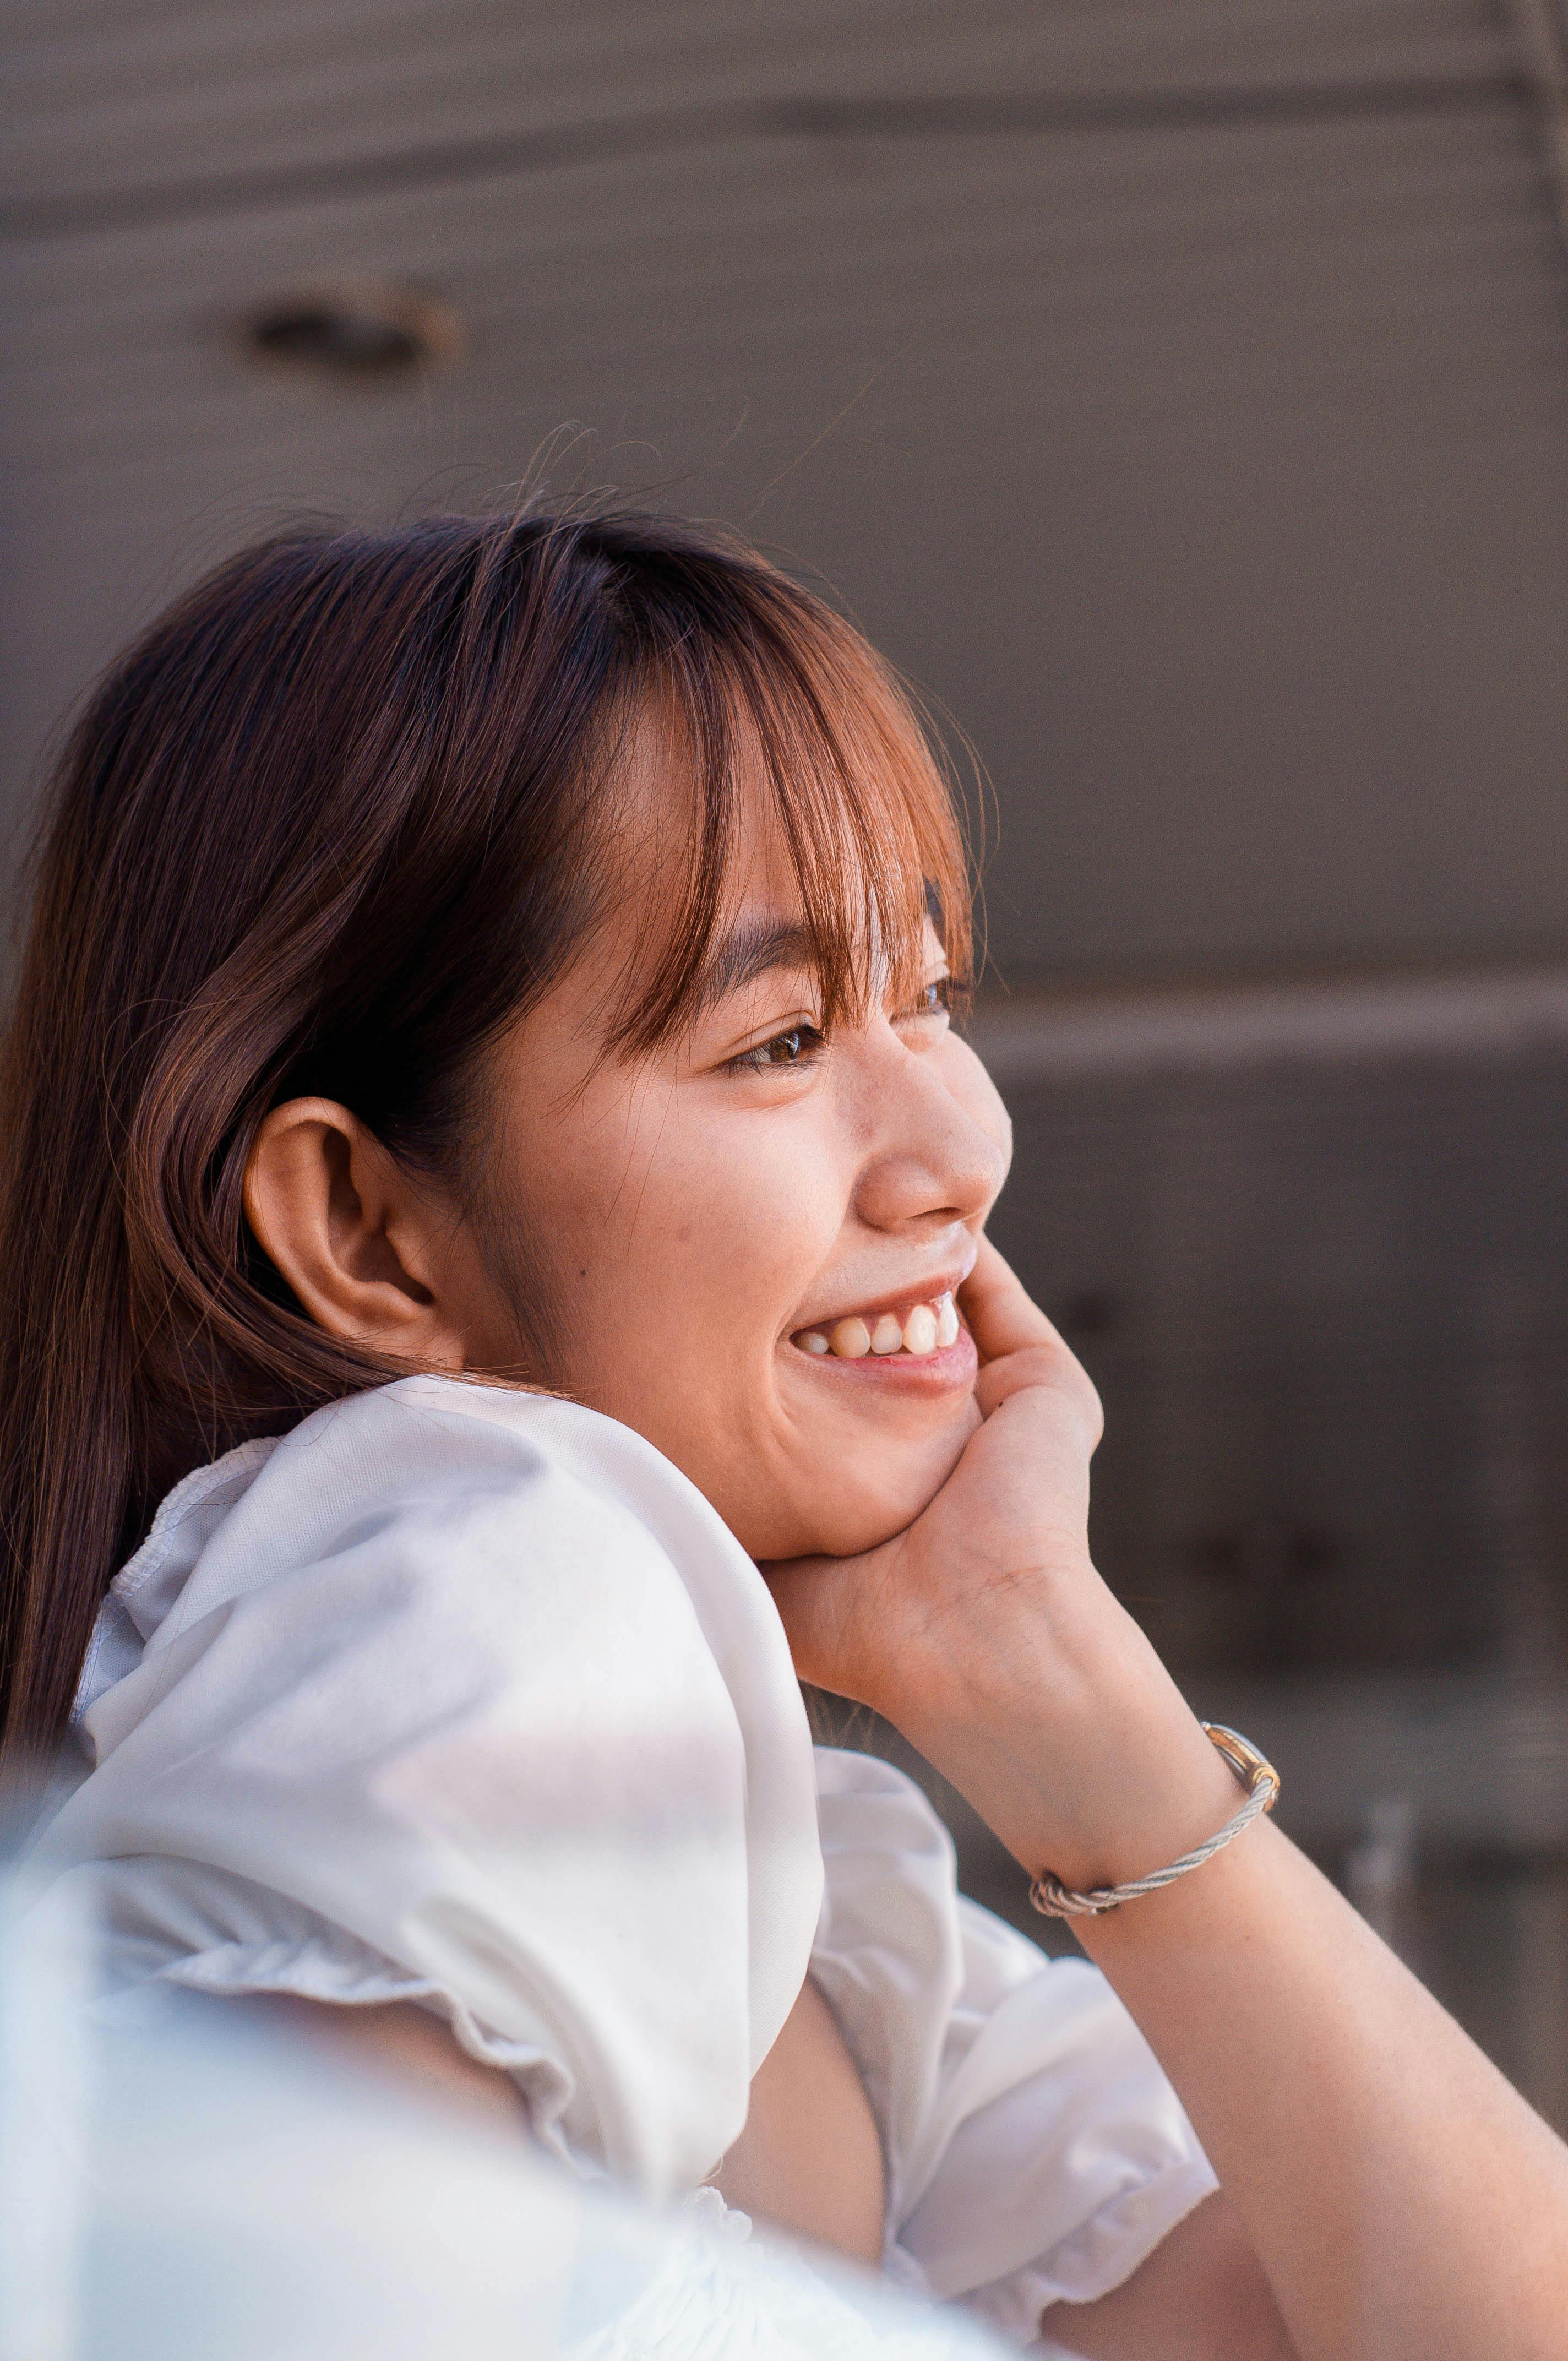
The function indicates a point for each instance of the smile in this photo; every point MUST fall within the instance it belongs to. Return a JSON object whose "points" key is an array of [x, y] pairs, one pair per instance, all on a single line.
{"points": [[924, 1329]]}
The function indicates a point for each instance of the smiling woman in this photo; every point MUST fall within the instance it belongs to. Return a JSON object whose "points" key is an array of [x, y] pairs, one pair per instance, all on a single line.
{"points": [[781, 1157], [524, 747], [494, 1215]]}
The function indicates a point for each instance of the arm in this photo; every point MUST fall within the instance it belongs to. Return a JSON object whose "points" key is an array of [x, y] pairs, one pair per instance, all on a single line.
{"points": [[1403, 2202], [1202, 2293], [1402, 2196]]}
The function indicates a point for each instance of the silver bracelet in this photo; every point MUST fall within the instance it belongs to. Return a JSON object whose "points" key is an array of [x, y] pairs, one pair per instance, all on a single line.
{"points": [[1261, 1781]]}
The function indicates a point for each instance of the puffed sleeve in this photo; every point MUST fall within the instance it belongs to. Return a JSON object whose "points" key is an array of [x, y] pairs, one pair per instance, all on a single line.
{"points": [[1035, 2152], [467, 1697]]}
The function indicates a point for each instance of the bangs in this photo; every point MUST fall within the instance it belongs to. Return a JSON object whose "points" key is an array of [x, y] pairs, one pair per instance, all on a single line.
{"points": [[768, 685]]}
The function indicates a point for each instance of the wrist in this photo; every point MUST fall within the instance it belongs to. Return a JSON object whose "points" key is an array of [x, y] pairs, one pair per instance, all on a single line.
{"points": [[1088, 1764], [1159, 1795], [1232, 1900], [1260, 1785]]}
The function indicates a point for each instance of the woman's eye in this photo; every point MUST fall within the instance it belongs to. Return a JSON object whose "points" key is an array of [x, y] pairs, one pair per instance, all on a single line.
{"points": [[935, 999], [791, 1047]]}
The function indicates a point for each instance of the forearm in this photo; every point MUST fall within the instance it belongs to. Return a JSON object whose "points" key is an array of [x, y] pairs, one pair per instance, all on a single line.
{"points": [[1404, 2203], [1403, 2200]]}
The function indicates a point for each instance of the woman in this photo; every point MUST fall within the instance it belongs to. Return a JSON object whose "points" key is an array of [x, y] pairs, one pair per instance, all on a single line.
{"points": [[522, 954]]}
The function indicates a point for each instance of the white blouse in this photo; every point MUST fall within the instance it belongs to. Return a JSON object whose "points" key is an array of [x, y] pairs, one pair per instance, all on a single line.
{"points": [[467, 1696]]}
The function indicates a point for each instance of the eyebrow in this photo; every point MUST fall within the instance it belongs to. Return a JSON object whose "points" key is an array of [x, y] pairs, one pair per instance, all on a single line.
{"points": [[749, 950]]}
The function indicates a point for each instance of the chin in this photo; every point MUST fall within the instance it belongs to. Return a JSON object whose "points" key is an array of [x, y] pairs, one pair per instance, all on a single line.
{"points": [[849, 1510], [855, 1527]]}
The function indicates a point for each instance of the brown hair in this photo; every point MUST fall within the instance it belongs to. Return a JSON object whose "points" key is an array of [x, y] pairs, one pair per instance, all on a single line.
{"points": [[335, 821]]}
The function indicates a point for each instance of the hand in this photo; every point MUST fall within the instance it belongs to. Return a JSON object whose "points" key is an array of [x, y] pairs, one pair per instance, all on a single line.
{"points": [[897, 1622], [985, 1635]]}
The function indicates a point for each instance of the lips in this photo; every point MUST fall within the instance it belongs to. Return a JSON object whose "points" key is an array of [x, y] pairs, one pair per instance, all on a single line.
{"points": [[915, 1331]]}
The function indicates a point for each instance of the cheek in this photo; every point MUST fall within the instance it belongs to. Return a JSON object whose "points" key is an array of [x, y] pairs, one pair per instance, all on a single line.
{"points": [[746, 1225], [680, 1255]]}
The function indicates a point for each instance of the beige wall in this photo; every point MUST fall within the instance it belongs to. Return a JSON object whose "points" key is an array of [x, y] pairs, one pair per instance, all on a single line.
{"points": [[1179, 391]]}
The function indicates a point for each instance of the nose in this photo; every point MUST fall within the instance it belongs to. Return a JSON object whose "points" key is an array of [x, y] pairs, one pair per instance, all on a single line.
{"points": [[942, 1145]]}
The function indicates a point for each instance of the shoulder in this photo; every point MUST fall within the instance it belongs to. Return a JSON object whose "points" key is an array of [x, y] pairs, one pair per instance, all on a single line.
{"points": [[584, 1514], [453, 1443], [475, 1484], [427, 1538]]}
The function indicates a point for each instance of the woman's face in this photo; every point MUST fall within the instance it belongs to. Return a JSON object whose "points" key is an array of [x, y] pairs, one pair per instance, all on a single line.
{"points": [[716, 1216]]}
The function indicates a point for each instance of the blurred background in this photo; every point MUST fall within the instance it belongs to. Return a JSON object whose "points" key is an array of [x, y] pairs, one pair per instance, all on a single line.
{"points": [[1180, 393]]}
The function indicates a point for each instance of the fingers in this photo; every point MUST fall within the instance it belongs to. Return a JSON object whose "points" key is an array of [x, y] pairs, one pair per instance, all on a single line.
{"points": [[1018, 1347], [820, 1602], [1003, 1318], [798, 1587]]}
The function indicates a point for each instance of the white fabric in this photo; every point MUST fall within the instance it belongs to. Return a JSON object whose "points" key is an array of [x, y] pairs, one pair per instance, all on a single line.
{"points": [[1035, 2152], [467, 1696], [713, 2293]]}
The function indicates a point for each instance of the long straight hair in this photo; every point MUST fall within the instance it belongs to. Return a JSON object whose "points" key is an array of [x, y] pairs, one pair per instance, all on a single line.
{"points": [[337, 819]]}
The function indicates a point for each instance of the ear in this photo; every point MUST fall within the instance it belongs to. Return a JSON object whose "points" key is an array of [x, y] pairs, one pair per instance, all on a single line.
{"points": [[366, 1251]]}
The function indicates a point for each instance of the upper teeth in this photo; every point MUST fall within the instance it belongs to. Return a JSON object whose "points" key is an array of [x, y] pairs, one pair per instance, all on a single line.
{"points": [[925, 1328]]}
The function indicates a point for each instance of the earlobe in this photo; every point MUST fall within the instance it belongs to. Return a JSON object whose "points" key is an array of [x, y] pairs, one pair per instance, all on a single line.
{"points": [[342, 1223]]}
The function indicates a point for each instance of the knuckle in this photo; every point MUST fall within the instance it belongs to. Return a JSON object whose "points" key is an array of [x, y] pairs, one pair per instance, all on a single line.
{"points": [[1057, 1383], [1047, 1363]]}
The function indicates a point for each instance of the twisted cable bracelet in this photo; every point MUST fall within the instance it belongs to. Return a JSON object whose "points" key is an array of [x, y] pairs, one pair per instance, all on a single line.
{"points": [[1054, 1900]]}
